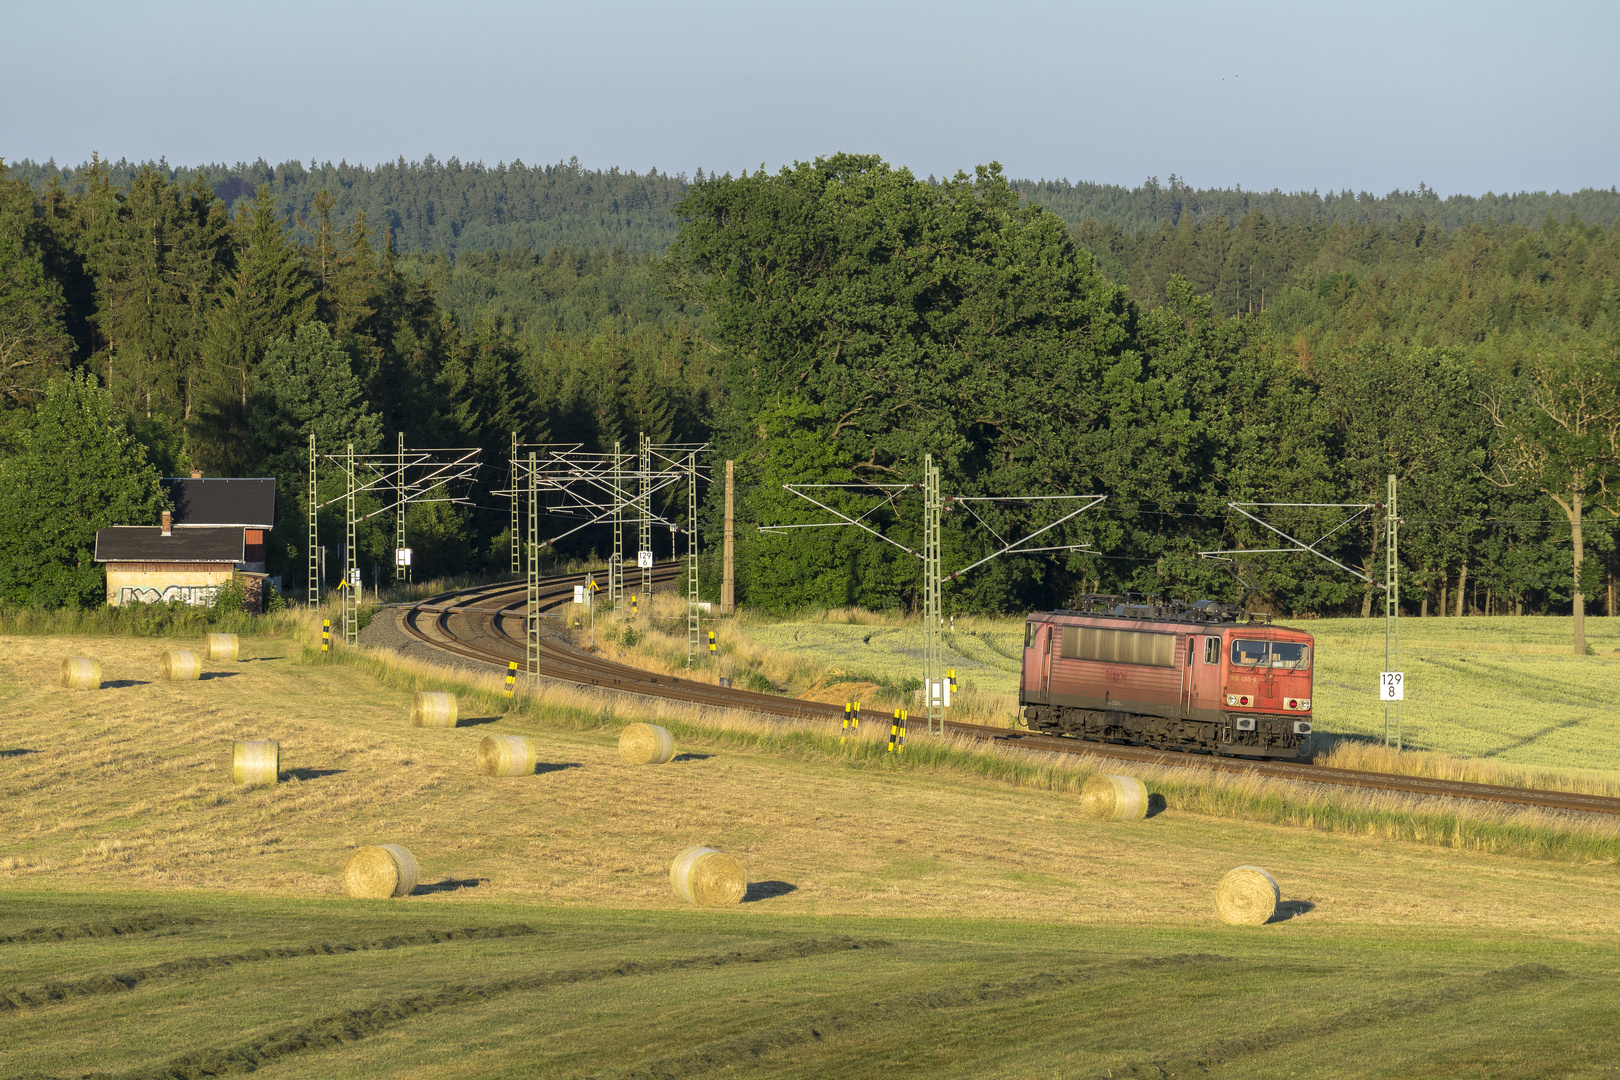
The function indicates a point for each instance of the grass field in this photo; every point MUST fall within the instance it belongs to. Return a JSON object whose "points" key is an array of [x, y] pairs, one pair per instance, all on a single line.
{"points": [[157, 921], [1502, 688], [322, 988]]}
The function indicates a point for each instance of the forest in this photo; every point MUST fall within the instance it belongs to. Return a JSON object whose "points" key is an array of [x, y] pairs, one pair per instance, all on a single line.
{"points": [[1175, 351]]}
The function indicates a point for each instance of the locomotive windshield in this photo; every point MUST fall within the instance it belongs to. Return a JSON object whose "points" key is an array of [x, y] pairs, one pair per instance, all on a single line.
{"points": [[1289, 655]]}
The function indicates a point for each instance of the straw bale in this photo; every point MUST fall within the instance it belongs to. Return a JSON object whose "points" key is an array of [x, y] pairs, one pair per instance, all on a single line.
{"points": [[377, 873], [256, 761], [708, 877], [181, 665], [1247, 896], [505, 755], [223, 647], [1114, 798], [81, 673], [433, 710], [646, 744]]}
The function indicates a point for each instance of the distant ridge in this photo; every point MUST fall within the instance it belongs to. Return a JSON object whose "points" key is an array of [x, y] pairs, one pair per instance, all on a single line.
{"points": [[430, 205]]}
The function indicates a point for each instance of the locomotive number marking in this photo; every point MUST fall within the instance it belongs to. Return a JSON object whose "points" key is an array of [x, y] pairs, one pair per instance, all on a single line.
{"points": [[1114, 675]]}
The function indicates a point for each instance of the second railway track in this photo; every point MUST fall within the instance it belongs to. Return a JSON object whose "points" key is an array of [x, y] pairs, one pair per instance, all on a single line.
{"points": [[479, 624]]}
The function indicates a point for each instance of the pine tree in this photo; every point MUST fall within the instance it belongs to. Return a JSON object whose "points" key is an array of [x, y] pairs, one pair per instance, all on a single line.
{"points": [[157, 270]]}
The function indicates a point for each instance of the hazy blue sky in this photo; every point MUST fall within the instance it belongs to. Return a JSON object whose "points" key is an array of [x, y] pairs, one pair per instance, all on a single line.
{"points": [[1463, 97]]}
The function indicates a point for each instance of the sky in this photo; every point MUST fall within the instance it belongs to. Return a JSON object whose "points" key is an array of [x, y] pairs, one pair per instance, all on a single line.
{"points": [[1466, 98]]}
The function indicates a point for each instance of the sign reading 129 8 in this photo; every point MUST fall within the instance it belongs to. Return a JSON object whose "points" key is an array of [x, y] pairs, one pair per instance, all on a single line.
{"points": [[1391, 686]]}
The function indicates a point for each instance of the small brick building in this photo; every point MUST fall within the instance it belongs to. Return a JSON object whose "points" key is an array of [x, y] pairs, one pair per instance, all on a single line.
{"points": [[217, 528]]}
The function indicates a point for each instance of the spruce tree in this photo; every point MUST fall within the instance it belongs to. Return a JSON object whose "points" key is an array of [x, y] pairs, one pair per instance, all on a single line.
{"points": [[268, 297]]}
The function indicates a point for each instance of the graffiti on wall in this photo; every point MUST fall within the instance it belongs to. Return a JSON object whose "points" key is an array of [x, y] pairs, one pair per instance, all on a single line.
{"points": [[197, 595]]}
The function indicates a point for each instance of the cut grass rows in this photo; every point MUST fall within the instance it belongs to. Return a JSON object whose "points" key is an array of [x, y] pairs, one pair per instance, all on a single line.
{"points": [[686, 994]]}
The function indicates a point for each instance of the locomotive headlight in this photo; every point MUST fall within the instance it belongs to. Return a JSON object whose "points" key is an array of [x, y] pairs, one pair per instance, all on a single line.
{"points": [[1299, 703], [1237, 699]]}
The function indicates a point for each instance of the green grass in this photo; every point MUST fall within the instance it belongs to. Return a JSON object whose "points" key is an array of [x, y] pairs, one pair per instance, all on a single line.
{"points": [[220, 985], [1498, 688]]}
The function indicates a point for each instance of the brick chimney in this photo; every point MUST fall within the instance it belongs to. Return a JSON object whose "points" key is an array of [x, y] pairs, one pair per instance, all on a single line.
{"points": [[168, 526], [196, 474]]}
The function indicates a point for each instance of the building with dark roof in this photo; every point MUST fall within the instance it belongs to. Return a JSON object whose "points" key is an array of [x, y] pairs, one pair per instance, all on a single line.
{"points": [[216, 529]]}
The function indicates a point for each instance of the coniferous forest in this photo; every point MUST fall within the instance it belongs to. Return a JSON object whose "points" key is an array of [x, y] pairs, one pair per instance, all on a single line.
{"points": [[1175, 350]]}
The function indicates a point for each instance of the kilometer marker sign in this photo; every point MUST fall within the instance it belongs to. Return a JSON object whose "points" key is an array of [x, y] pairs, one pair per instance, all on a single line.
{"points": [[1391, 686]]}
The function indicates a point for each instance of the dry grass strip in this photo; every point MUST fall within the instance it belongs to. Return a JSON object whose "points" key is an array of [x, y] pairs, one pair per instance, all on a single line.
{"points": [[1496, 828]]}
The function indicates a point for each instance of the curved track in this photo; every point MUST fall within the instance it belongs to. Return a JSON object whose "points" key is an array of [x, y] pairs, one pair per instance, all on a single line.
{"points": [[486, 625]]}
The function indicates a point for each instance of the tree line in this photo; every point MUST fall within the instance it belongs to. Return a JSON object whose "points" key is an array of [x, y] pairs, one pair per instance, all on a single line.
{"points": [[459, 207], [836, 321]]}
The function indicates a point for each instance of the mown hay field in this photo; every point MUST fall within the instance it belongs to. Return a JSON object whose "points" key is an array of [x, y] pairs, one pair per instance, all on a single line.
{"points": [[223, 984], [155, 919]]}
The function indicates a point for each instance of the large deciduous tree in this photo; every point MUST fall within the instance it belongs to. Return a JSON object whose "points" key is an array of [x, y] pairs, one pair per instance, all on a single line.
{"points": [[77, 469], [917, 318], [1560, 434]]}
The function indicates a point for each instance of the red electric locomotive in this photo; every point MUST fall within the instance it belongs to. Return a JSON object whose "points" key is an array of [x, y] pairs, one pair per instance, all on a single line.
{"points": [[1169, 676]]}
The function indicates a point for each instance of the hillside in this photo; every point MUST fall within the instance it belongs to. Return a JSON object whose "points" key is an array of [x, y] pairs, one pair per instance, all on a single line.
{"points": [[454, 206]]}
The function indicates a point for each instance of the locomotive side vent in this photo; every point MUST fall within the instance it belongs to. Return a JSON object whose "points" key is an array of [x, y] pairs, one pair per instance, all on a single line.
{"points": [[1245, 723]]}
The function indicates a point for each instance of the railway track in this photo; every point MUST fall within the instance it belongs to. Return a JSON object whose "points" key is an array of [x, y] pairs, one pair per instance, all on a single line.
{"points": [[486, 625]]}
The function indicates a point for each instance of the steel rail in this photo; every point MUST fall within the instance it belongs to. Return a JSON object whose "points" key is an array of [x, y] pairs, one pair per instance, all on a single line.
{"points": [[568, 664]]}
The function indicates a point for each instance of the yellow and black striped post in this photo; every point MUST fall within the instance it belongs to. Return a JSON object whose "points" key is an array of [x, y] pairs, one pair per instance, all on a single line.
{"points": [[635, 606], [326, 635], [511, 678], [843, 732], [711, 643], [950, 676], [897, 732]]}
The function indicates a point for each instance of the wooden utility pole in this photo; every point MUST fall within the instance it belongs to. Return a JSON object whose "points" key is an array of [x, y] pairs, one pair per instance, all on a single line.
{"points": [[728, 580]]}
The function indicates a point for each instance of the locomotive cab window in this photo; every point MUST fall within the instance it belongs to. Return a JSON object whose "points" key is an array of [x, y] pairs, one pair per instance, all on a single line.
{"points": [[1212, 650], [1248, 653], [1029, 635], [1290, 655], [1286, 655]]}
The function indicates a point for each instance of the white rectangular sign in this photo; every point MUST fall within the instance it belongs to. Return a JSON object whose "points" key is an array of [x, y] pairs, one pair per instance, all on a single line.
{"points": [[1391, 686], [402, 556], [579, 594], [644, 560], [939, 693]]}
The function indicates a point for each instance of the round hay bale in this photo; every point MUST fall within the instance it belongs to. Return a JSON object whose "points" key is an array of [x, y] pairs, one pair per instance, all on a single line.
{"points": [[222, 647], [646, 744], [256, 761], [708, 877], [181, 665], [81, 673], [376, 873], [433, 710], [1114, 798], [505, 755], [1247, 896]]}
